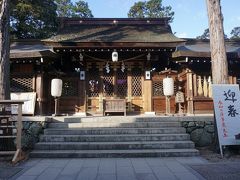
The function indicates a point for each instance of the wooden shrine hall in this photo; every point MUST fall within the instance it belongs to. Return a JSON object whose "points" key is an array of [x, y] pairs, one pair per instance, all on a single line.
{"points": [[101, 59]]}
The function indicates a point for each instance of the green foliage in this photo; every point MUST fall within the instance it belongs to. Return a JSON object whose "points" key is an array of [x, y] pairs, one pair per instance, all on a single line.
{"points": [[235, 33], [150, 9], [81, 10], [206, 35], [65, 8], [137, 10], [33, 18], [38, 18]]}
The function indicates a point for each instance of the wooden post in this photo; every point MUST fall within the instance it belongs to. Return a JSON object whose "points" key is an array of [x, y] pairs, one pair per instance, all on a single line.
{"points": [[101, 99], [189, 93], [18, 153], [195, 85], [168, 105], [39, 89], [217, 44], [129, 94], [147, 95]]}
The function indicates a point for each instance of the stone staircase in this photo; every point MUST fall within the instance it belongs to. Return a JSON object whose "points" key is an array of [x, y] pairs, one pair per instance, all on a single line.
{"points": [[114, 136]]}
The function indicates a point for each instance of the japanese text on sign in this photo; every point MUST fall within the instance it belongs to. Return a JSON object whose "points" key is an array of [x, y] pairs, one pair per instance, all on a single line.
{"points": [[227, 106]]}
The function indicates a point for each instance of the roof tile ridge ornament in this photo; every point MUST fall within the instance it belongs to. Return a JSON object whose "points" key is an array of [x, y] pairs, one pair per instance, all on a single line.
{"points": [[109, 21]]}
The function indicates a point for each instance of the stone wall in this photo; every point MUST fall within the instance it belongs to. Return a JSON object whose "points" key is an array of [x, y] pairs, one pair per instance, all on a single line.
{"points": [[201, 129], [30, 133]]}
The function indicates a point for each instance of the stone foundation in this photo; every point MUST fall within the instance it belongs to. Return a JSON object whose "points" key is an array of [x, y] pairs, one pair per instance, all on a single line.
{"points": [[30, 133], [201, 129]]}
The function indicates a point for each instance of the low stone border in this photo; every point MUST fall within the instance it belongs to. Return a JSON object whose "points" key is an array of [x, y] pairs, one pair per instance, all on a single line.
{"points": [[30, 133], [201, 129]]}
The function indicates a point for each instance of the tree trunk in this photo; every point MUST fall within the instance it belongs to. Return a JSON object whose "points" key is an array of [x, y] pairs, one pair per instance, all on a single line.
{"points": [[218, 52], [217, 43], [4, 50]]}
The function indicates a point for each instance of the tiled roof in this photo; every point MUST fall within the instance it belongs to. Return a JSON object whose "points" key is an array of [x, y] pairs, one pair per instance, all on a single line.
{"points": [[123, 30], [201, 48], [29, 49]]}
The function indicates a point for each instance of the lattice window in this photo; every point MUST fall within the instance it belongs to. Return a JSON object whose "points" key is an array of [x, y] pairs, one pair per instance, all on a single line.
{"points": [[121, 83], [157, 88], [21, 84], [70, 88], [93, 83], [136, 82], [108, 84]]}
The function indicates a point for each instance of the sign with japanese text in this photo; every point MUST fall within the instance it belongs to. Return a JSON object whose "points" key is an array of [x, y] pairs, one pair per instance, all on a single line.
{"points": [[226, 100], [28, 106]]}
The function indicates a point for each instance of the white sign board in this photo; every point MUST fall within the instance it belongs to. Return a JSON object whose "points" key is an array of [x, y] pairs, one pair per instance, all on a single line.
{"points": [[226, 100], [28, 106]]}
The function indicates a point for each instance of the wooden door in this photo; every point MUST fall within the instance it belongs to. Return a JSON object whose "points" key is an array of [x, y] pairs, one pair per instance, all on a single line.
{"points": [[117, 83]]}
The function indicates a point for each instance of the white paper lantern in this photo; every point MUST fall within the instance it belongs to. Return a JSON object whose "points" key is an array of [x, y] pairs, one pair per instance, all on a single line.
{"points": [[56, 87], [168, 86], [115, 56]]}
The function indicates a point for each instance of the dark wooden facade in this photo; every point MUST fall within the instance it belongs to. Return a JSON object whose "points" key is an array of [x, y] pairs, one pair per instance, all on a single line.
{"points": [[84, 47]]}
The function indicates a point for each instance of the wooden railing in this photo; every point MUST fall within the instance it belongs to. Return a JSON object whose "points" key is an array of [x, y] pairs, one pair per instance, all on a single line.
{"points": [[7, 113], [198, 91], [202, 85]]}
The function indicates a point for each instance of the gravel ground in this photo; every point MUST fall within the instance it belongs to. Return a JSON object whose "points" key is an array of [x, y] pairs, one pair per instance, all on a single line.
{"points": [[230, 155]]}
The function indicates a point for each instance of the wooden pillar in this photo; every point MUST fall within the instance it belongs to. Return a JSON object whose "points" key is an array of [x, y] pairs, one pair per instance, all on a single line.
{"points": [[115, 80], [101, 88], [39, 91], [82, 95], [189, 93], [147, 95], [194, 85], [129, 91], [234, 80]]}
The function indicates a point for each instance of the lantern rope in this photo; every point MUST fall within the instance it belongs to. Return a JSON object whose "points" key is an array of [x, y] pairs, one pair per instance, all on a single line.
{"points": [[104, 60]]}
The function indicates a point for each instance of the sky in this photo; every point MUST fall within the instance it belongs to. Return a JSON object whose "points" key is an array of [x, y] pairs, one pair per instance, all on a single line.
{"points": [[190, 19]]}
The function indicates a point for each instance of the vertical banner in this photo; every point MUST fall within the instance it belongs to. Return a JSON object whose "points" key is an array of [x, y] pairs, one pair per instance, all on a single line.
{"points": [[226, 100]]}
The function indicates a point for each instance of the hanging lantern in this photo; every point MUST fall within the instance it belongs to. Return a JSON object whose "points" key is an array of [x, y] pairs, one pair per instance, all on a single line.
{"points": [[168, 86], [56, 87], [115, 56]]}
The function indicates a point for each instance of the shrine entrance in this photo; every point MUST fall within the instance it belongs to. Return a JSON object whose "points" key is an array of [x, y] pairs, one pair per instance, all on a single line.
{"points": [[118, 80]]}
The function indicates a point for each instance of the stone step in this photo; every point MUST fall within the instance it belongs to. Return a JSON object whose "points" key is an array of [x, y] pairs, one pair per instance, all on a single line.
{"points": [[112, 119], [114, 153], [85, 131], [114, 145], [112, 138], [115, 124]]}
